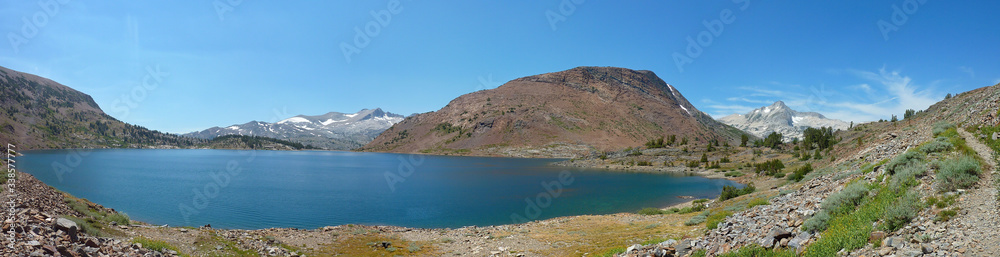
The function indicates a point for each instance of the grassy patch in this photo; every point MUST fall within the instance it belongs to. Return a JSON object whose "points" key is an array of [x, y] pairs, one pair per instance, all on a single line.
{"points": [[946, 215], [713, 220], [155, 245], [611, 252], [89, 211], [758, 251], [734, 174], [851, 230], [90, 226], [757, 202], [215, 245], [368, 245]]}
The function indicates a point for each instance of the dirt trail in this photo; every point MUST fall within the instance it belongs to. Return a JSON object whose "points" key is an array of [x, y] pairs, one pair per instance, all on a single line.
{"points": [[981, 212]]}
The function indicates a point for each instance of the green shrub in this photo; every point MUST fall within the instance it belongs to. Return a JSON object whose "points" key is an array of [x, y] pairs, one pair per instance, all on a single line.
{"points": [[899, 214], [413, 248], [729, 192], [946, 215], [734, 174], [936, 146], [693, 208], [931, 201], [699, 253], [904, 159], [651, 211], [907, 175], [845, 200], [955, 173], [769, 167], [119, 218], [697, 219], [713, 221], [941, 127], [818, 222], [800, 172]]}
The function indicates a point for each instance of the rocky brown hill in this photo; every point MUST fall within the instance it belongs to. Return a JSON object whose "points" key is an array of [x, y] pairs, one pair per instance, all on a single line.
{"points": [[576, 111], [38, 113]]}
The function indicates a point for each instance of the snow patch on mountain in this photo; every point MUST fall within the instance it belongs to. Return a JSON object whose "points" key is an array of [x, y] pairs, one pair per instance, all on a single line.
{"points": [[334, 130], [782, 119]]}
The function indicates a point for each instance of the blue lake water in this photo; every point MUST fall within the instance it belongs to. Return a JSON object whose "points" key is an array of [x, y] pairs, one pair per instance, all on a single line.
{"points": [[311, 189]]}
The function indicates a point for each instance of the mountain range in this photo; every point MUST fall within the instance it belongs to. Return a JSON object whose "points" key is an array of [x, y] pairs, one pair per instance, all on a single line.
{"points": [[780, 118], [38, 113], [580, 110], [333, 130]]}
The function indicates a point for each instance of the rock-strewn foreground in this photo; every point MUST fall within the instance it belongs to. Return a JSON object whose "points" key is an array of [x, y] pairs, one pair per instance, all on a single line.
{"points": [[973, 231]]}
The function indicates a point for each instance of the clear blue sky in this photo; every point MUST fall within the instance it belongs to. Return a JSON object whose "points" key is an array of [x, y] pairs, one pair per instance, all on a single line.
{"points": [[268, 60]]}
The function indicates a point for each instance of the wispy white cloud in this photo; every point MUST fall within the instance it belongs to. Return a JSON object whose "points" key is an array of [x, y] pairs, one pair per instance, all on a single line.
{"points": [[879, 94], [968, 70], [722, 110]]}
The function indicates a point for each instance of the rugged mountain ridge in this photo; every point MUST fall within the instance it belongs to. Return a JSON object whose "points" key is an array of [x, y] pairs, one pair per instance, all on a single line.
{"points": [[39, 113], [333, 130], [780, 118], [576, 111]]}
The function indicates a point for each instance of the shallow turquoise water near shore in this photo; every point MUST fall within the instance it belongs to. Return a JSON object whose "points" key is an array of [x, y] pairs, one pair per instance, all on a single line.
{"points": [[311, 189]]}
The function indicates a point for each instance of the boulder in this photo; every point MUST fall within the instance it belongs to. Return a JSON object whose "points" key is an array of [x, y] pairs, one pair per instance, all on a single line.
{"points": [[800, 240], [876, 236], [894, 242], [69, 227], [684, 247], [668, 243], [634, 247], [779, 233]]}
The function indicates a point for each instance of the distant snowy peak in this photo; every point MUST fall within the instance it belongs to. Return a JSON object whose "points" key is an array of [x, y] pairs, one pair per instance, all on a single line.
{"points": [[780, 118], [331, 130]]}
